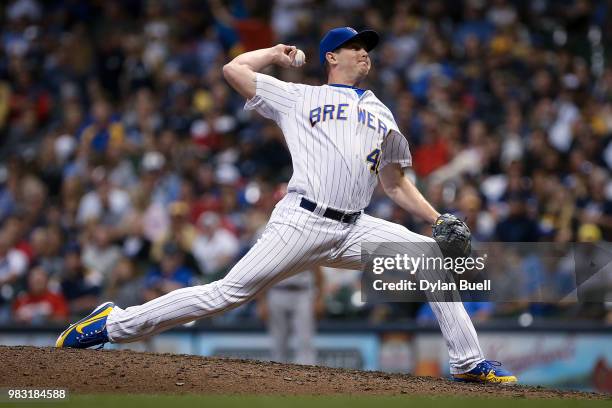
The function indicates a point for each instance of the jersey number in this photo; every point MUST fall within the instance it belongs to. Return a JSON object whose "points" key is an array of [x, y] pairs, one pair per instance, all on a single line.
{"points": [[374, 158]]}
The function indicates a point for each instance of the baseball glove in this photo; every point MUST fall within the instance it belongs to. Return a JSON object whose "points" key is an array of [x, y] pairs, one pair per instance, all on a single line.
{"points": [[453, 236]]}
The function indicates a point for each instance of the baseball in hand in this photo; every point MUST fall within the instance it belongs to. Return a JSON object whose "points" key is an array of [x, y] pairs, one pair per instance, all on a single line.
{"points": [[299, 59]]}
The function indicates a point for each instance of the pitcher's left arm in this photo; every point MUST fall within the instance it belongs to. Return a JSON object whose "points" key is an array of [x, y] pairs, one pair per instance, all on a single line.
{"points": [[405, 194]]}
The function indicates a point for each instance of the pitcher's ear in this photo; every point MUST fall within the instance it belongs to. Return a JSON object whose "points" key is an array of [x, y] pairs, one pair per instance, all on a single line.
{"points": [[330, 58]]}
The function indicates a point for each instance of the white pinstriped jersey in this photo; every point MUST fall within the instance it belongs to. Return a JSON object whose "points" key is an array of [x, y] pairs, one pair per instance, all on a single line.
{"points": [[338, 140]]}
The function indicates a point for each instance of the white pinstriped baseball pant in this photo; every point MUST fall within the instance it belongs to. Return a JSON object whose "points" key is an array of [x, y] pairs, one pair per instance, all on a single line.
{"points": [[294, 240]]}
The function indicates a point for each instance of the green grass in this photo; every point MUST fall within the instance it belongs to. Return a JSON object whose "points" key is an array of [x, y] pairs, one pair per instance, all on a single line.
{"points": [[153, 401]]}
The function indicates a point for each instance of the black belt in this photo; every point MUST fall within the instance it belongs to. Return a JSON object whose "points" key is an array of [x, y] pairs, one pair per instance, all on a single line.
{"points": [[348, 218]]}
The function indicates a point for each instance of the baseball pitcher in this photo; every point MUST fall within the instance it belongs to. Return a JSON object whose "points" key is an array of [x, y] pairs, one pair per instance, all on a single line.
{"points": [[342, 140]]}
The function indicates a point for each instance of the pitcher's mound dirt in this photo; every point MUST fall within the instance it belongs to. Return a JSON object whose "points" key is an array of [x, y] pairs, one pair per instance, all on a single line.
{"points": [[128, 372]]}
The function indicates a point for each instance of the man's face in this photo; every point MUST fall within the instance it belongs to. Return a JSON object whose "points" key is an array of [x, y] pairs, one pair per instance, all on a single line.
{"points": [[353, 59], [170, 263], [37, 281]]}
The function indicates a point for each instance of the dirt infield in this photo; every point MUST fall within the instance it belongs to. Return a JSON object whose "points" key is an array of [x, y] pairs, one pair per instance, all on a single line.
{"points": [[128, 372]]}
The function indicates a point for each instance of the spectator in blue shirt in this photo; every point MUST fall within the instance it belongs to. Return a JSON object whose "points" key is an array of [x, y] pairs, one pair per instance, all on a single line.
{"points": [[80, 287], [171, 274]]}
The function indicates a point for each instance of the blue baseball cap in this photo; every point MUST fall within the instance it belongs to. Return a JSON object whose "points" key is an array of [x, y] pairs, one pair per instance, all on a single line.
{"points": [[341, 35]]}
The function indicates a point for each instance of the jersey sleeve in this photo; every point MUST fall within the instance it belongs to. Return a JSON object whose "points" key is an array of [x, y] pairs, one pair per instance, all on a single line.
{"points": [[395, 149], [273, 97]]}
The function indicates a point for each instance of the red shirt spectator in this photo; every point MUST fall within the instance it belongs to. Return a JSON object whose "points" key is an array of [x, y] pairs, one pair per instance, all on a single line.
{"points": [[254, 33], [39, 304], [430, 156]]}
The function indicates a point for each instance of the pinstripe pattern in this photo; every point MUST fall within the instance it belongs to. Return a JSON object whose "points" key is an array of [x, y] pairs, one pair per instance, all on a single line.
{"points": [[330, 168], [329, 158], [283, 250], [455, 323], [294, 240]]}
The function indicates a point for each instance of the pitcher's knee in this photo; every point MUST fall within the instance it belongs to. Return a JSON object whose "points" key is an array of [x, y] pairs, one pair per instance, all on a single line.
{"points": [[234, 292]]}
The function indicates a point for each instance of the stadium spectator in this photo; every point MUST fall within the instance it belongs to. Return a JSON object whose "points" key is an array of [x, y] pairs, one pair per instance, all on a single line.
{"points": [[46, 246], [179, 230], [214, 247], [165, 183], [102, 130], [13, 266], [80, 287], [125, 287], [100, 254], [106, 203], [517, 226], [171, 274], [7, 198], [548, 283], [38, 304], [112, 114]]}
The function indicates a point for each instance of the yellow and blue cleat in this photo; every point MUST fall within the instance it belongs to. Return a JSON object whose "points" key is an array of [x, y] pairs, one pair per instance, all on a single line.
{"points": [[89, 331], [487, 371]]}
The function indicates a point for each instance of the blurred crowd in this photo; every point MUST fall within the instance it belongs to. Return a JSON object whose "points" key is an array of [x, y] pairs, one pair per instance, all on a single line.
{"points": [[129, 168]]}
